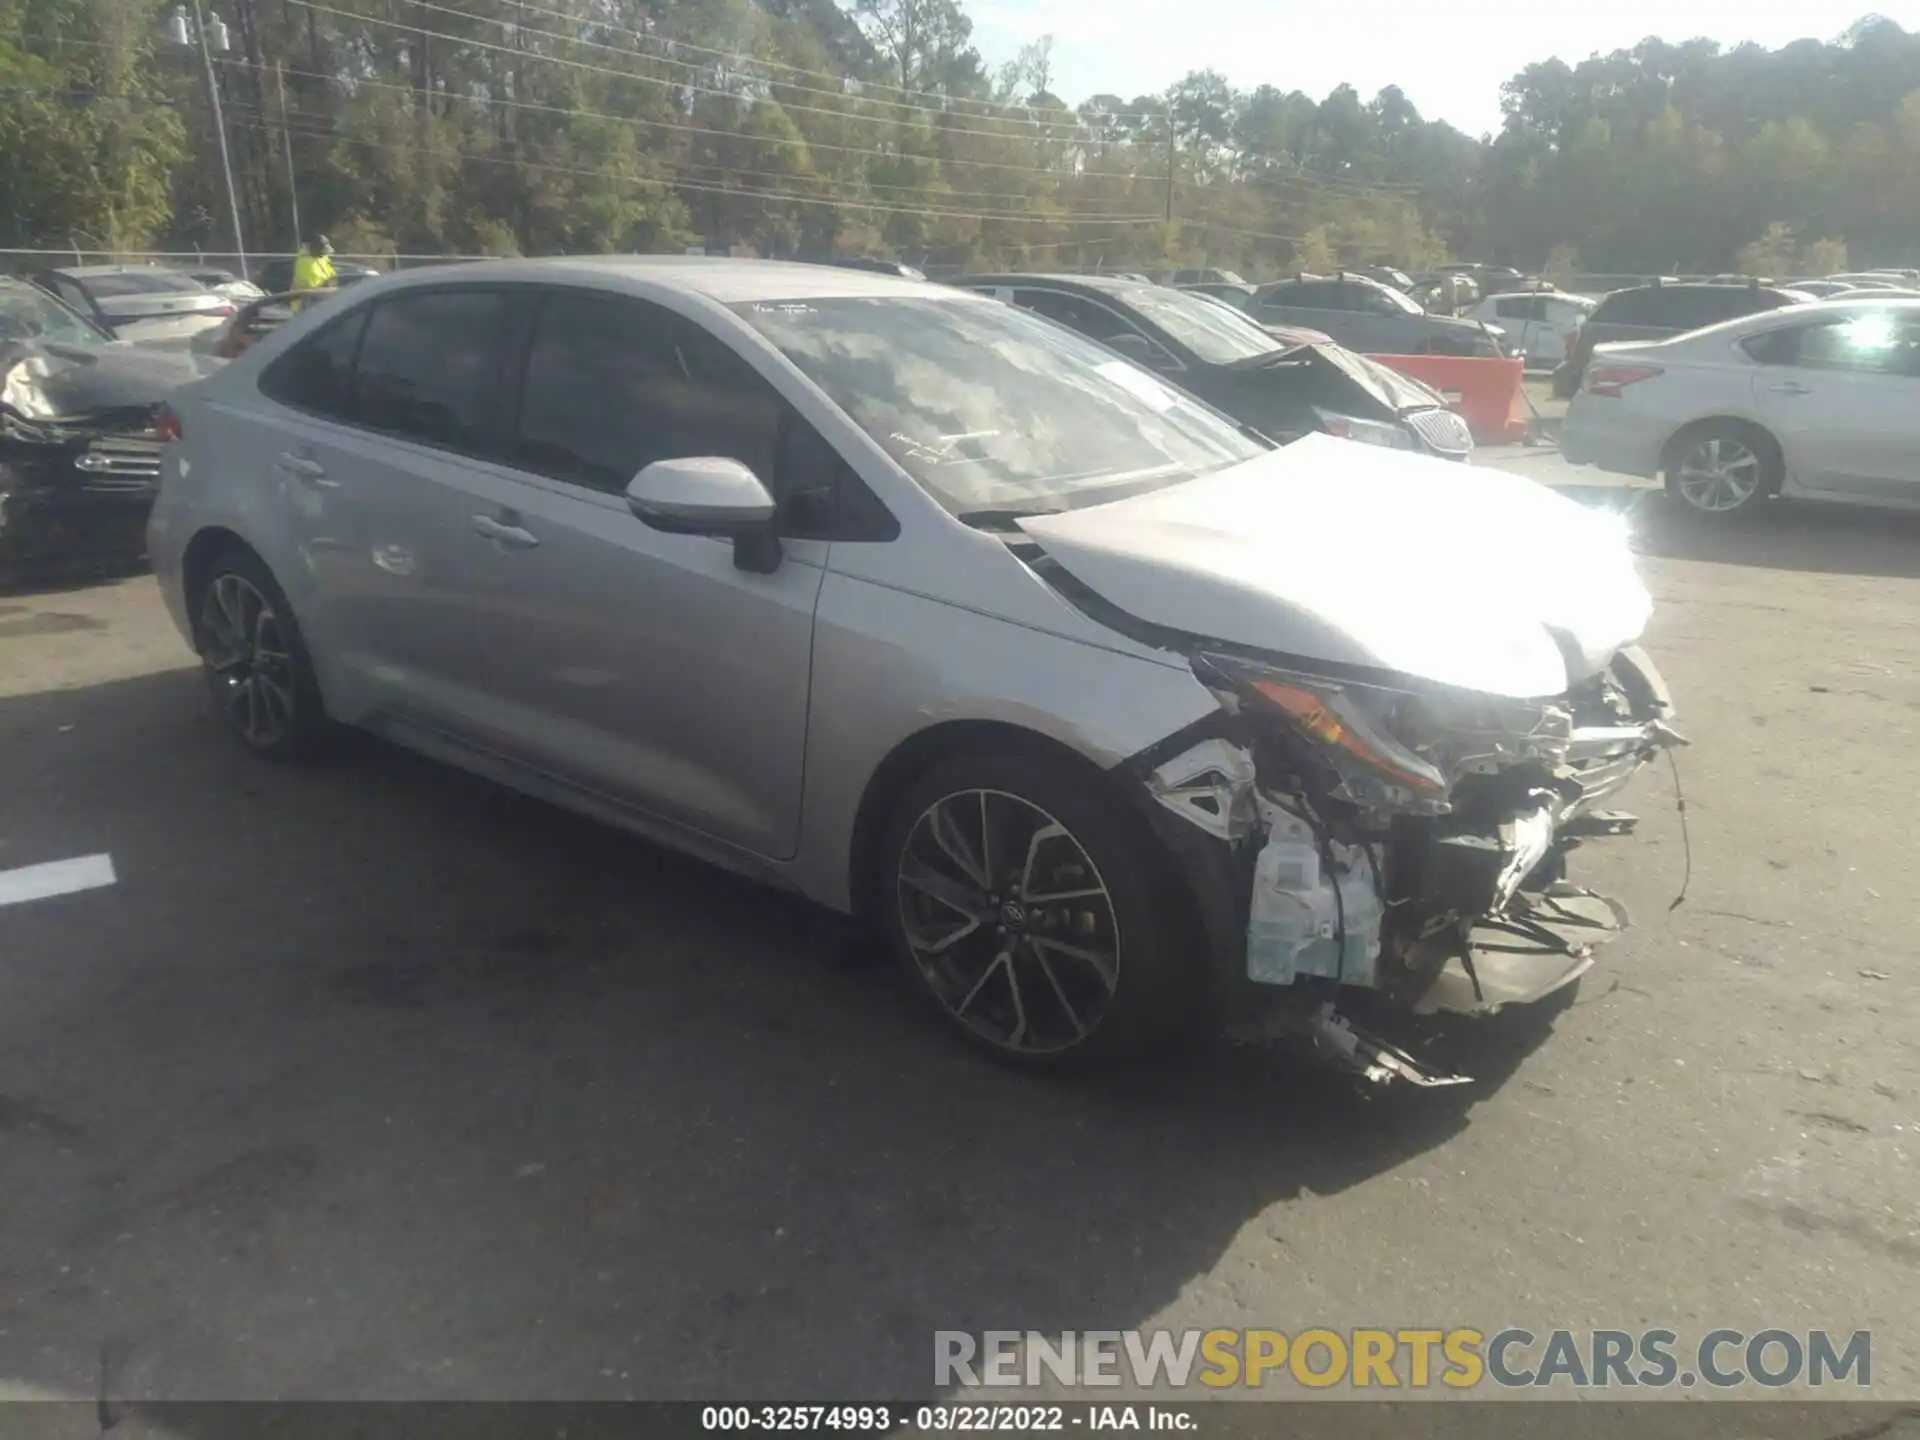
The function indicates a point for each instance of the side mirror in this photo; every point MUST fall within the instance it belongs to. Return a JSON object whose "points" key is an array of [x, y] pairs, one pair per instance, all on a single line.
{"points": [[709, 495]]}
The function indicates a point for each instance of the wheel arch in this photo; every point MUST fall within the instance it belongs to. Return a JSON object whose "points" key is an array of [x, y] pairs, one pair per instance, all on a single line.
{"points": [[207, 545], [1745, 424], [913, 757]]}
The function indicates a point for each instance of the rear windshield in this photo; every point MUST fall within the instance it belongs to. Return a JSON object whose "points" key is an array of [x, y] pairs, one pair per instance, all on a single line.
{"points": [[991, 408], [139, 282]]}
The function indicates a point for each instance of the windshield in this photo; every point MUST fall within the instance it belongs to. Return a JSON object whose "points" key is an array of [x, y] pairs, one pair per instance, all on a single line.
{"points": [[29, 313], [991, 408], [139, 282], [1218, 334]]}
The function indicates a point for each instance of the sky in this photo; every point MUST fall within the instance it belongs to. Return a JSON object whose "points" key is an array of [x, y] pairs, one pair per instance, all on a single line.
{"points": [[1450, 62]]}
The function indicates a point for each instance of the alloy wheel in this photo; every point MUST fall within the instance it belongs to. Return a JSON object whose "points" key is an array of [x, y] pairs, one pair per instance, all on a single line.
{"points": [[248, 659], [1719, 474], [1009, 921]]}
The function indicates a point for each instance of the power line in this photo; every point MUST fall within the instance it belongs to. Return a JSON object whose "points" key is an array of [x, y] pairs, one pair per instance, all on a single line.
{"points": [[1332, 182], [729, 58], [640, 122], [671, 44], [674, 85], [319, 118], [672, 183]]}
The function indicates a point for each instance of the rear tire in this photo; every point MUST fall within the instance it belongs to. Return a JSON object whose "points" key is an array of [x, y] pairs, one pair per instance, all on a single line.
{"points": [[1036, 914], [256, 662], [1722, 468]]}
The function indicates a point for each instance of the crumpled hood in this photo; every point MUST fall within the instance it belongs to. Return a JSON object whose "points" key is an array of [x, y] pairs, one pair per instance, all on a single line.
{"points": [[70, 382], [1356, 554]]}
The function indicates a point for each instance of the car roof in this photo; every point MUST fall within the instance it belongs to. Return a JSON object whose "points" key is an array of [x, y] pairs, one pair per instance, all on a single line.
{"points": [[1802, 314], [81, 272], [1110, 284], [720, 278], [1543, 295]]}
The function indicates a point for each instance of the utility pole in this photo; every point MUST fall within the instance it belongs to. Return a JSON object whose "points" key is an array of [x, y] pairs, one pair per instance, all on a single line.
{"points": [[1170, 155], [286, 144], [177, 32]]}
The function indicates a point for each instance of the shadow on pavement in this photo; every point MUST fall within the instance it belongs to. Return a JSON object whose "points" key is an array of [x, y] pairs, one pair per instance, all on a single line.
{"points": [[1784, 535], [374, 1080]]}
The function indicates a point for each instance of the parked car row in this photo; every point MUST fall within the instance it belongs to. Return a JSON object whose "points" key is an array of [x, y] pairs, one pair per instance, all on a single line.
{"points": [[1114, 717], [1284, 390]]}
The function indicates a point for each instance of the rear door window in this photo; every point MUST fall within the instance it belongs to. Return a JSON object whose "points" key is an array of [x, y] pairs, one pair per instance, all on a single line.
{"points": [[316, 375], [1870, 344], [428, 368]]}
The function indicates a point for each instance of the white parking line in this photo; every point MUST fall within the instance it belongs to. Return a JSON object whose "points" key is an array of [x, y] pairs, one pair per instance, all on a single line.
{"points": [[56, 877]]}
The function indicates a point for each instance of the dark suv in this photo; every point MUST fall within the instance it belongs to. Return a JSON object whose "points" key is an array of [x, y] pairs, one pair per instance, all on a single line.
{"points": [[1653, 312]]}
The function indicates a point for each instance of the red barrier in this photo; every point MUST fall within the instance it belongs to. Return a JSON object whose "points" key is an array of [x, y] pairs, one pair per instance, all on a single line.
{"points": [[1483, 391]]}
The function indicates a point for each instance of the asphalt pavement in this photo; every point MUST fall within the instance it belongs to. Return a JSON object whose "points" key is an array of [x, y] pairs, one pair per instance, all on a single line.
{"points": [[373, 1080]]}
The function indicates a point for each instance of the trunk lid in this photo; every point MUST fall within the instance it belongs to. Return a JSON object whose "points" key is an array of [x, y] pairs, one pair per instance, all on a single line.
{"points": [[1327, 550]]}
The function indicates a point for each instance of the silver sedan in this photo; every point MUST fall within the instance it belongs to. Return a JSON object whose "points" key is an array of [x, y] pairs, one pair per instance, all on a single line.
{"points": [[1111, 716], [1819, 402]]}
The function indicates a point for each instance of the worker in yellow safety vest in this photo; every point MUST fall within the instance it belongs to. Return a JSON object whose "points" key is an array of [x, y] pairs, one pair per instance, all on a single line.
{"points": [[313, 266]]}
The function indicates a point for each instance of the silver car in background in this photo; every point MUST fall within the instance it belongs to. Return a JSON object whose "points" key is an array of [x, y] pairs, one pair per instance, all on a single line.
{"points": [[147, 304], [1818, 401], [940, 614]]}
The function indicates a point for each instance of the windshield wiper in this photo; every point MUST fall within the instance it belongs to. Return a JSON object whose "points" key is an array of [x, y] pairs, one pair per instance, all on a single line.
{"points": [[1006, 519], [1271, 357]]}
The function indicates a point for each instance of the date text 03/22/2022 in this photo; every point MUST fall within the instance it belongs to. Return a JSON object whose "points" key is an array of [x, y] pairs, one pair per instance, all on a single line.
{"points": [[959, 1418]]}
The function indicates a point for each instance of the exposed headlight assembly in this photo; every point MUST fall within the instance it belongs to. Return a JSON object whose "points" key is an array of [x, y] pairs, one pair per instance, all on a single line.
{"points": [[1367, 432], [1351, 719]]}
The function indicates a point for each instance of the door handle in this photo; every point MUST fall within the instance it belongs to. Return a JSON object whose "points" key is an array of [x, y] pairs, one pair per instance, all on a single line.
{"points": [[301, 468], [1791, 387], [513, 536]]}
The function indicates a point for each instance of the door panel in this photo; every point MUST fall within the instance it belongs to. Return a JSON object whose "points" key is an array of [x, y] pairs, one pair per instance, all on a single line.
{"points": [[646, 666], [376, 485], [1846, 407], [643, 665]]}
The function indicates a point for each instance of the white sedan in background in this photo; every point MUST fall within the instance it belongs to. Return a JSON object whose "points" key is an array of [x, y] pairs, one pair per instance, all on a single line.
{"points": [[1817, 401], [1540, 324]]}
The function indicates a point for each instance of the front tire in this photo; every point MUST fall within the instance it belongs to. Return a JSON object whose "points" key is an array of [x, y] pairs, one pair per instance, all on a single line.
{"points": [[1035, 913], [1722, 469], [256, 662]]}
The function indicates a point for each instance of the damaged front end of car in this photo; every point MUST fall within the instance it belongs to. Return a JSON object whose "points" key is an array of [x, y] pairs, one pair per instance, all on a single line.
{"points": [[76, 484], [1396, 839]]}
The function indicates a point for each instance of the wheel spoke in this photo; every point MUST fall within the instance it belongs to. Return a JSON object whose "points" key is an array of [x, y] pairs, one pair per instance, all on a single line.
{"points": [[229, 603], [1004, 958], [946, 834], [949, 893], [969, 926], [1046, 969], [278, 697], [253, 726], [1034, 841], [1102, 965]]}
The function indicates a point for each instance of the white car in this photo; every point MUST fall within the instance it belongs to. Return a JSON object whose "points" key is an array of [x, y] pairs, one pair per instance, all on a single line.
{"points": [[1818, 401], [227, 285], [147, 304], [1540, 324]]}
